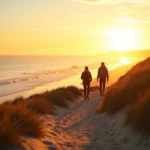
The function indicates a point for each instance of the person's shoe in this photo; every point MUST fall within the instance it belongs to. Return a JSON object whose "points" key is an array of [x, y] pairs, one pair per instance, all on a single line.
{"points": [[101, 94], [87, 97]]}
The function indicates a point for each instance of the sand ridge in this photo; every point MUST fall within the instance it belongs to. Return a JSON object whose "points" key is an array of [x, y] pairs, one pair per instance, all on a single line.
{"points": [[80, 128]]}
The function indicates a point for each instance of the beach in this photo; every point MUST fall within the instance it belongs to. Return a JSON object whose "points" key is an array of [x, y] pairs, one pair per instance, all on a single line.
{"points": [[80, 127], [74, 75], [31, 80]]}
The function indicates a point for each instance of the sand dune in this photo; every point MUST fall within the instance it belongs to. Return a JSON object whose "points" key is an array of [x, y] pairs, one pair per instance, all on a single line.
{"points": [[80, 128]]}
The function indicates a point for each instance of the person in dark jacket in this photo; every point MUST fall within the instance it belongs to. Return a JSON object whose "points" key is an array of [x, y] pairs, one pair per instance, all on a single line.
{"points": [[102, 76], [86, 78]]}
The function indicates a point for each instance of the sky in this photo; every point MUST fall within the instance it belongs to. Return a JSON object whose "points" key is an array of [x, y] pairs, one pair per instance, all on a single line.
{"points": [[57, 27]]}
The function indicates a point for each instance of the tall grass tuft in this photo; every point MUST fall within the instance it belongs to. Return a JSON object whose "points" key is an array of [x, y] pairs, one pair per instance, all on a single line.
{"points": [[9, 131], [60, 96], [139, 114], [27, 120], [74, 90], [17, 100], [21, 116], [40, 105]]}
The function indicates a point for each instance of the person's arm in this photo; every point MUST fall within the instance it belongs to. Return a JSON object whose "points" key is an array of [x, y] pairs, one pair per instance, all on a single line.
{"points": [[82, 76], [98, 75], [90, 76], [107, 75]]}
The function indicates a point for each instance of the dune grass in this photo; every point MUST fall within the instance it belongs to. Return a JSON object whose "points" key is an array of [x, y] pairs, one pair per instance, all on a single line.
{"points": [[61, 96], [20, 117], [74, 90], [132, 89], [40, 105], [9, 131], [139, 114], [127, 89]]}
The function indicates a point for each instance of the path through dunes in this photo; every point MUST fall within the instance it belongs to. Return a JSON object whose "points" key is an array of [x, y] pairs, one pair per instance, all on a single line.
{"points": [[79, 128]]}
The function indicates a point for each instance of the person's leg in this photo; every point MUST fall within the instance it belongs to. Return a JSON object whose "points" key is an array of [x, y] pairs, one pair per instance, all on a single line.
{"points": [[84, 86], [104, 83], [100, 86], [88, 90]]}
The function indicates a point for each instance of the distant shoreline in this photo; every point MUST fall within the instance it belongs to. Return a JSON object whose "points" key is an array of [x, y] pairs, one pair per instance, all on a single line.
{"points": [[66, 81]]}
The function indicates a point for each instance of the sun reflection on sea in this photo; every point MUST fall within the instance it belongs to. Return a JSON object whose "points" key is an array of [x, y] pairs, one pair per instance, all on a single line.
{"points": [[125, 60]]}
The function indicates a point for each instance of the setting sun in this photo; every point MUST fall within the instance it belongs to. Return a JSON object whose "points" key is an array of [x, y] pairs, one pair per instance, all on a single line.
{"points": [[124, 39]]}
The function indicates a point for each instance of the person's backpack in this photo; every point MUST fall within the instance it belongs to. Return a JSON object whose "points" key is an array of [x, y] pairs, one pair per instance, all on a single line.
{"points": [[86, 76]]}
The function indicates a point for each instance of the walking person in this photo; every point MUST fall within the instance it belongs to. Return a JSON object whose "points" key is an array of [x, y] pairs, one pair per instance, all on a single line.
{"points": [[86, 78], [102, 76]]}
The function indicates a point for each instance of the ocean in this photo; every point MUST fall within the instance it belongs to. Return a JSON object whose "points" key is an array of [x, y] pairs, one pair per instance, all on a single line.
{"points": [[29, 73], [19, 73], [20, 66]]}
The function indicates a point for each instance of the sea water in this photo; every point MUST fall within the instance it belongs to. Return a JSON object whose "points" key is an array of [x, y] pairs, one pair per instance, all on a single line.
{"points": [[24, 73]]}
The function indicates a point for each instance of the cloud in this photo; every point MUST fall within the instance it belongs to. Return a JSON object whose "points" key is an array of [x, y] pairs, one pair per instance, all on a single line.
{"points": [[114, 2], [137, 10], [88, 1], [129, 20]]}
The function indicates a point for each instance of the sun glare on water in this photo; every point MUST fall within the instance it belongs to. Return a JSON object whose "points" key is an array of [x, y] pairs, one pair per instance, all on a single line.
{"points": [[125, 60]]}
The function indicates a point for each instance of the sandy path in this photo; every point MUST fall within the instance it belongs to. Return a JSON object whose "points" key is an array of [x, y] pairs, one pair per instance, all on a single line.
{"points": [[69, 129], [79, 128]]}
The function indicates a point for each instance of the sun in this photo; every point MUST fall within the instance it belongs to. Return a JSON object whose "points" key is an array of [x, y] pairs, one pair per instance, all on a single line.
{"points": [[123, 39]]}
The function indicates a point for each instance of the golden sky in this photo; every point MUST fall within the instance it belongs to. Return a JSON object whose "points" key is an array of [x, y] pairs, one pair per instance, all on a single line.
{"points": [[73, 26]]}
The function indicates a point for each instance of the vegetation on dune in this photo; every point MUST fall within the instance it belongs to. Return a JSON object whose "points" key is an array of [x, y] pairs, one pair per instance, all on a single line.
{"points": [[40, 105], [9, 131], [139, 114], [20, 116], [132, 89], [59, 97], [127, 89], [17, 100], [74, 90]]}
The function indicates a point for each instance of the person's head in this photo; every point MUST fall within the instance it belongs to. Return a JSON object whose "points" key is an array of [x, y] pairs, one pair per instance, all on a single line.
{"points": [[86, 67], [102, 64]]}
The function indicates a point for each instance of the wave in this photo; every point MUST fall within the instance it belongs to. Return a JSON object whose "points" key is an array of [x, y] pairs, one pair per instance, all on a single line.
{"points": [[27, 76]]}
